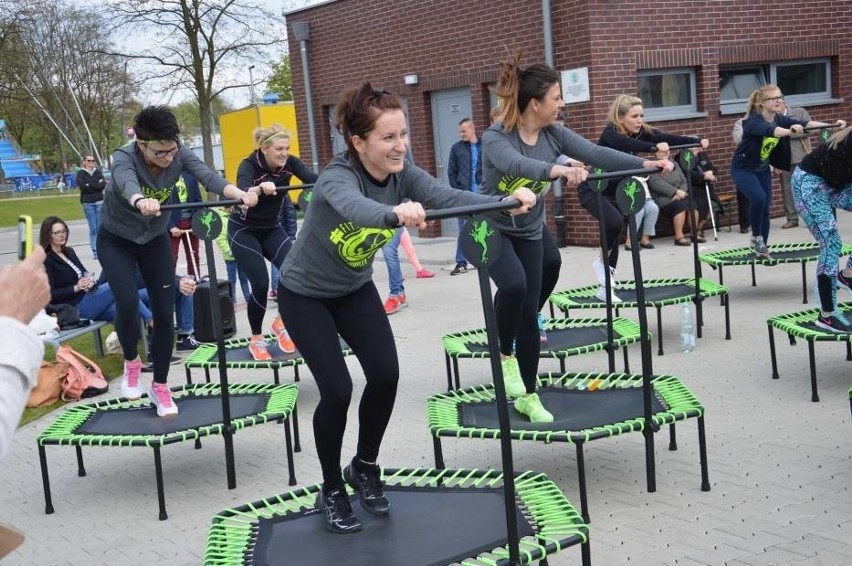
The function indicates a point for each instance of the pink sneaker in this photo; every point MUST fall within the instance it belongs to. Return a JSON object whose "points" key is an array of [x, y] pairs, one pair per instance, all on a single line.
{"points": [[130, 387], [425, 274], [161, 397]]}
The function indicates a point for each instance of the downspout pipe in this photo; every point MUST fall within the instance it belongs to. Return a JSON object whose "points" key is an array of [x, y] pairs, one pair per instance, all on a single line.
{"points": [[558, 193], [302, 30]]}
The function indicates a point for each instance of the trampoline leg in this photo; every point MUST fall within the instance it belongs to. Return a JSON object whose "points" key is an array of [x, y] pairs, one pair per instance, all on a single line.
{"points": [[722, 298], [456, 372], [449, 375], [198, 444], [699, 317], [562, 365], [296, 374], [586, 554], [294, 418], [581, 479], [849, 350], [626, 361], [552, 312], [158, 470], [275, 377], [45, 480], [288, 441], [650, 466], [772, 352], [812, 360], [660, 330], [804, 285], [727, 317], [207, 375], [702, 455], [81, 470], [188, 376], [753, 275], [439, 453], [672, 437]]}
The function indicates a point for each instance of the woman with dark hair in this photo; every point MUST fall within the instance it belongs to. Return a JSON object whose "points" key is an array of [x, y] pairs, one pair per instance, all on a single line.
{"points": [[821, 183], [134, 235], [521, 150], [627, 131], [71, 283], [256, 235], [326, 287]]}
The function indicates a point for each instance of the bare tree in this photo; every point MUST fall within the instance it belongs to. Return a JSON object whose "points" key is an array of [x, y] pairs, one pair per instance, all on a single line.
{"points": [[201, 45]]}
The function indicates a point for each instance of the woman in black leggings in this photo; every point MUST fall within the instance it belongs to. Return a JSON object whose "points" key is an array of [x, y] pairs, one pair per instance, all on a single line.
{"points": [[133, 234], [256, 235], [326, 287]]}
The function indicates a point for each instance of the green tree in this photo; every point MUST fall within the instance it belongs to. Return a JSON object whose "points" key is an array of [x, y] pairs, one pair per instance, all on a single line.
{"points": [[188, 115], [281, 81]]}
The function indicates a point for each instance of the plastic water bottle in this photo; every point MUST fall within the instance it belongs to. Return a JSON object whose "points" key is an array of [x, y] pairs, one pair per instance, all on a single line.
{"points": [[687, 330]]}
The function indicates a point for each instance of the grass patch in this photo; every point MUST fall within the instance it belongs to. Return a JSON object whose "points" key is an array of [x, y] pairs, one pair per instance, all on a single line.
{"points": [[111, 366], [66, 207]]}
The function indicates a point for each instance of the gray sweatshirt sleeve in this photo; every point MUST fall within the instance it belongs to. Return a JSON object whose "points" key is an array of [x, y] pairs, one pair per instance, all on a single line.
{"points": [[424, 188], [576, 146], [340, 187], [124, 178]]}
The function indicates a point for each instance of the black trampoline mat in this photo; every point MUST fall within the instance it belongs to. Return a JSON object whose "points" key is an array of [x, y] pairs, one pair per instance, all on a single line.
{"points": [[653, 293], [561, 339], [194, 412], [572, 409], [425, 526], [806, 254], [242, 354]]}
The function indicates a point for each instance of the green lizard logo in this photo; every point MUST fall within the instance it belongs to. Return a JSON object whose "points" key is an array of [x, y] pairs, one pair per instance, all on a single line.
{"points": [[598, 184], [687, 159], [207, 221], [308, 196], [630, 189], [356, 246], [480, 232]]}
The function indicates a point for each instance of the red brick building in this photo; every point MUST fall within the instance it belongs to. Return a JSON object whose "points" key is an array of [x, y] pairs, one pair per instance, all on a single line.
{"points": [[693, 62]]}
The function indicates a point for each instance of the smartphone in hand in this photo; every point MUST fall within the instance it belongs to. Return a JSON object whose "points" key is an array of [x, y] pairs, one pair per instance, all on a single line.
{"points": [[25, 236]]}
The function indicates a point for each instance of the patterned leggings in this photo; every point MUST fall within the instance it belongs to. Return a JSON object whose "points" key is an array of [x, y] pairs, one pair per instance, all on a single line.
{"points": [[814, 200]]}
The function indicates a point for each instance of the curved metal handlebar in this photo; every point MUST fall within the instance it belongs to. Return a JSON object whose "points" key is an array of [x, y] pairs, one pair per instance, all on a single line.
{"points": [[620, 174], [829, 127], [468, 210]]}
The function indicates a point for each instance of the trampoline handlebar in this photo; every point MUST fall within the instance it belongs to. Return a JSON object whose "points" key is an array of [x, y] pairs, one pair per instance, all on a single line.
{"points": [[294, 187], [827, 127], [685, 145], [392, 221], [620, 174], [204, 204]]}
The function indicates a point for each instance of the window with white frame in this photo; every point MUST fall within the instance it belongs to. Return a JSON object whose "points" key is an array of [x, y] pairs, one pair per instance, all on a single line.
{"points": [[803, 82], [668, 93]]}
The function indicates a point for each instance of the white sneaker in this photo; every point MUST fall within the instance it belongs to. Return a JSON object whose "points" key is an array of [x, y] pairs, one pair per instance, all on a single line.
{"points": [[161, 397], [612, 278], [598, 268], [130, 386], [601, 296]]}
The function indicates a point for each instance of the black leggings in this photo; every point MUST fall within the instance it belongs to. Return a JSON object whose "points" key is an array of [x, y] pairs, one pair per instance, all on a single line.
{"points": [[517, 274], [550, 269], [611, 217], [251, 248], [360, 319], [120, 259]]}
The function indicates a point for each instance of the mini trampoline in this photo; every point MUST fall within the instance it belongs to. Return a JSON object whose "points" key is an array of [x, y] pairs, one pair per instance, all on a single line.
{"points": [[565, 338], [237, 356], [801, 325], [781, 253], [119, 422], [437, 517], [658, 293], [586, 407]]}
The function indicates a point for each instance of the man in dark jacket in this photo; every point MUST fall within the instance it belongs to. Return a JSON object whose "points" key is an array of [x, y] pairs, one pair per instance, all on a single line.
{"points": [[465, 173], [91, 183]]}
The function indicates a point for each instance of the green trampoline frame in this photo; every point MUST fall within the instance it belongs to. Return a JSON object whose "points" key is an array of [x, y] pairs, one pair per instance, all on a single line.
{"points": [[443, 417], [205, 357], [718, 260], [232, 536], [280, 406], [567, 300], [791, 324], [456, 345]]}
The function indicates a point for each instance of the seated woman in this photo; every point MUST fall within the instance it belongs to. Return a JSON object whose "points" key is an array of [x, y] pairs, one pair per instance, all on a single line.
{"points": [[71, 283], [701, 177], [670, 193]]}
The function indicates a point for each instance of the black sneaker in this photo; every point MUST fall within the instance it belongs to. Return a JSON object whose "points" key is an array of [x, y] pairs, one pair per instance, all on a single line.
{"points": [[459, 268], [337, 511], [844, 282], [834, 323], [186, 343], [369, 487]]}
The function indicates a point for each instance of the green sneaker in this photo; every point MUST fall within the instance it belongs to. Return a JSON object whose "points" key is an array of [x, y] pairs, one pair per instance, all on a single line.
{"points": [[512, 377], [530, 405]]}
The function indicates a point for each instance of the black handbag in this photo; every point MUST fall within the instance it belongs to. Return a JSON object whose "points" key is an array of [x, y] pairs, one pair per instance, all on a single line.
{"points": [[67, 316]]}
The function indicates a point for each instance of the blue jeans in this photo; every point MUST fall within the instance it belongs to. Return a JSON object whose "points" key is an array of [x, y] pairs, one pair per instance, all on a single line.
{"points": [[391, 254], [99, 304], [459, 254], [234, 272], [184, 313], [757, 186], [92, 210]]}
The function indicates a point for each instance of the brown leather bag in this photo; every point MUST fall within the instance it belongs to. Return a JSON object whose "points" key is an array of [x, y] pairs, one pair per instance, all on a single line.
{"points": [[48, 386]]}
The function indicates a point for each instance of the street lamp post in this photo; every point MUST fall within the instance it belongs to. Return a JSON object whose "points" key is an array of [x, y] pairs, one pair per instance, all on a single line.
{"points": [[251, 85]]}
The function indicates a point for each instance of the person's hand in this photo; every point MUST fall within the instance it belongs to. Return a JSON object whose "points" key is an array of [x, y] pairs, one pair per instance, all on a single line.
{"points": [[796, 129], [527, 198], [249, 198], [710, 176], [662, 146], [176, 232], [148, 206], [24, 289], [840, 123], [705, 143], [85, 284], [664, 165], [268, 187], [186, 286], [410, 214], [680, 194], [573, 176]]}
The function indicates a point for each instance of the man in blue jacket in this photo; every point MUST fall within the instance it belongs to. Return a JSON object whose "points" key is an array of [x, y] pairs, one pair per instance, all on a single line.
{"points": [[465, 173]]}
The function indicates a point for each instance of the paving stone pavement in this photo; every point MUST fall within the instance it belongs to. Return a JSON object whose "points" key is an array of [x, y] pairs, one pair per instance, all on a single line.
{"points": [[780, 466]]}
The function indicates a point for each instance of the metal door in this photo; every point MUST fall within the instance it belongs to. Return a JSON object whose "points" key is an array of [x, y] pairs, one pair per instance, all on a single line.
{"points": [[449, 107]]}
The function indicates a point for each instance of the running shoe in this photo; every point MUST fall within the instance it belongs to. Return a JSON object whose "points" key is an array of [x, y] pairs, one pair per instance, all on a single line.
{"points": [[258, 350], [161, 397], [760, 249], [844, 282], [542, 334], [130, 387], [512, 380], [186, 343], [834, 322], [284, 341], [368, 483], [459, 268], [425, 274], [394, 303], [337, 511], [601, 295], [530, 405]]}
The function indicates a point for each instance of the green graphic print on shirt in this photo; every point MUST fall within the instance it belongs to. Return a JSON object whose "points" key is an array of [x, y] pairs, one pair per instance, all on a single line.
{"points": [[769, 143], [162, 195], [509, 184], [356, 246]]}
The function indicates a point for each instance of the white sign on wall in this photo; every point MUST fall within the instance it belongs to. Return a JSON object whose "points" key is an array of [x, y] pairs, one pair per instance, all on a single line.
{"points": [[575, 85]]}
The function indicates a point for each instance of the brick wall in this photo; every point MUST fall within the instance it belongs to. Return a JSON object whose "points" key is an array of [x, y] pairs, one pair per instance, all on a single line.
{"points": [[451, 44]]}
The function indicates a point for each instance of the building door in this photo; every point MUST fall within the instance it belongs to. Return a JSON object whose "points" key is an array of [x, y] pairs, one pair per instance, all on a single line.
{"points": [[449, 107], [337, 142]]}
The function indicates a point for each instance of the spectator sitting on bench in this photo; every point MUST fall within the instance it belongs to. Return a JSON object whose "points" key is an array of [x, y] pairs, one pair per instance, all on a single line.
{"points": [[702, 176], [669, 191], [71, 283]]}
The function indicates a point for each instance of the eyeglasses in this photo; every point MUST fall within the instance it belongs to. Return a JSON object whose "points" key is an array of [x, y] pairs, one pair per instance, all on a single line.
{"points": [[774, 98], [89, 160], [160, 153], [59, 232]]}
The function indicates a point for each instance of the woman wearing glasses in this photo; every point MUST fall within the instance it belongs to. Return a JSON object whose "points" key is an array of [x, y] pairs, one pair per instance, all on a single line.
{"points": [[91, 183], [134, 234], [765, 142], [326, 287]]}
